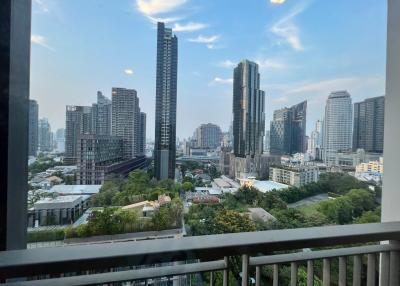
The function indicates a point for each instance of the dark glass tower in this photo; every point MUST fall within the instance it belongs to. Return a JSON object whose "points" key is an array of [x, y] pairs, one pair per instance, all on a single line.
{"points": [[33, 127], [368, 128], [248, 111], [165, 117]]}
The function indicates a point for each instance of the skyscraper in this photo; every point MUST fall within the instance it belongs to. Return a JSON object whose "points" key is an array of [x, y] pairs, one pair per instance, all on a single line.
{"points": [[101, 115], [248, 110], [78, 120], [288, 130], [315, 140], [45, 136], [33, 127], [142, 134], [60, 140], [126, 120], [369, 120], [166, 95], [208, 136], [337, 126]]}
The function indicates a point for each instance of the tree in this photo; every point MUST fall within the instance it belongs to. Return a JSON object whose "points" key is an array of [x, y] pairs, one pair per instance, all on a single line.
{"points": [[187, 186], [228, 221]]}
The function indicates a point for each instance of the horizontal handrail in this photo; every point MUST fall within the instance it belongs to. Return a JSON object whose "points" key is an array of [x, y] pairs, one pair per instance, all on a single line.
{"points": [[30, 262], [321, 254], [128, 275]]}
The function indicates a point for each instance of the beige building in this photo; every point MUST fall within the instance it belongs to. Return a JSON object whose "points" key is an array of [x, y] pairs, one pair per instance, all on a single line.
{"points": [[371, 166], [294, 176]]}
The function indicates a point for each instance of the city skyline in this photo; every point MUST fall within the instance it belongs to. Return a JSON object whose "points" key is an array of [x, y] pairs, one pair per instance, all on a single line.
{"points": [[308, 67]]}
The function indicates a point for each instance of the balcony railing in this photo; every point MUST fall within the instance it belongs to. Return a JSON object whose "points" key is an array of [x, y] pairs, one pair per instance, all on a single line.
{"points": [[103, 263]]}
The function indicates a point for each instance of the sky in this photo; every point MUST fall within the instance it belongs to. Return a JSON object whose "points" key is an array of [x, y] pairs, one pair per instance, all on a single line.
{"points": [[305, 50]]}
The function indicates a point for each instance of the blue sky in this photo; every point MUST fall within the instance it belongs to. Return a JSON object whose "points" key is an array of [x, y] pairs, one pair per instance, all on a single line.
{"points": [[305, 49]]}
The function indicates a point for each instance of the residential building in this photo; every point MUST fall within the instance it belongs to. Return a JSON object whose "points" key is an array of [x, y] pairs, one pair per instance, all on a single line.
{"points": [[78, 120], [166, 95], [294, 176], [101, 115], [349, 158], [369, 117], [45, 136], [126, 120], [94, 154], [248, 111], [33, 127], [371, 167], [142, 134], [288, 130], [224, 160], [337, 127], [208, 136]]}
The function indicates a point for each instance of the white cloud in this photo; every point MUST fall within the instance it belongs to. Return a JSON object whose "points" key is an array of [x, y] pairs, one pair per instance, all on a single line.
{"points": [[208, 41], [278, 1], [41, 5], [41, 41], [227, 64], [271, 64], [219, 80], [128, 71], [165, 20], [189, 27], [153, 7], [286, 29]]}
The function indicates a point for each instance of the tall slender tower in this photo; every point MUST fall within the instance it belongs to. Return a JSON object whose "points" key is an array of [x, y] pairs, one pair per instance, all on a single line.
{"points": [[165, 117], [248, 110], [337, 128], [33, 127], [101, 115]]}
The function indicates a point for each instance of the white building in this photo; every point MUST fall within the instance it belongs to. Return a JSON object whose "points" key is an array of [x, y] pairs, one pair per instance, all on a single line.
{"points": [[294, 176]]}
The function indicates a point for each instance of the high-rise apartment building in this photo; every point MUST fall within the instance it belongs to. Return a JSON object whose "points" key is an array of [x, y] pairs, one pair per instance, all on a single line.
{"points": [[126, 120], [33, 127], [101, 115], [208, 136], [45, 136], [78, 120], [166, 96], [369, 117], [337, 125], [288, 130], [248, 110]]}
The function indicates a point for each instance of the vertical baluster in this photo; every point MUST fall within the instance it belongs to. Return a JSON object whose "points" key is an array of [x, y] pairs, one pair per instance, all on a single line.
{"points": [[258, 275], [394, 268], [357, 270], [342, 270], [385, 262], [245, 270], [211, 278], [293, 274], [276, 275], [326, 272], [310, 273], [226, 271], [371, 269]]}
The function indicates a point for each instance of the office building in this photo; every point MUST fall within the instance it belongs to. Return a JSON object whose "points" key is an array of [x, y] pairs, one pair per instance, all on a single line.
{"points": [[208, 136], [248, 111], [166, 96], [288, 130], [126, 120], [315, 141], [45, 136], [369, 117], [142, 133], [60, 140], [337, 126], [33, 127], [101, 115], [78, 120]]}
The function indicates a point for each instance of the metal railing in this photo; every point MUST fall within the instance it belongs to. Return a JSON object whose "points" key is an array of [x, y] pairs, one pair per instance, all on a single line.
{"points": [[104, 263]]}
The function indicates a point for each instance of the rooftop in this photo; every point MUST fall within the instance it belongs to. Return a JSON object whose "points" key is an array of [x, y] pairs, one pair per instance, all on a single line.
{"points": [[75, 189], [267, 186]]}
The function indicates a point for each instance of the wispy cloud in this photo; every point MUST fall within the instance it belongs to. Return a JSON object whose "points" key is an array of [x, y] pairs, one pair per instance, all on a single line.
{"points": [[271, 64], [189, 27], [166, 20], [219, 80], [153, 7], [41, 6], [278, 1], [41, 41], [287, 30], [128, 72], [228, 64], [208, 41]]}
